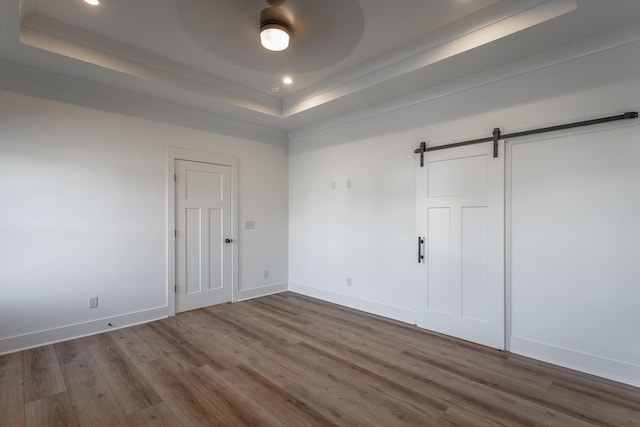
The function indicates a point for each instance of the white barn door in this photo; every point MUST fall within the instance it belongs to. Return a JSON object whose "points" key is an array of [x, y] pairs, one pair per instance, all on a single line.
{"points": [[203, 234], [460, 215]]}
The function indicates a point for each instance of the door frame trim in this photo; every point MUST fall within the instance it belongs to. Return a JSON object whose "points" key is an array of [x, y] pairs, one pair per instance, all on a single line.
{"points": [[178, 153]]}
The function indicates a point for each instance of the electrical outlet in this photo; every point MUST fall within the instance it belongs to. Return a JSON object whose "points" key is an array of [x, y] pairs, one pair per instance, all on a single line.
{"points": [[266, 274], [93, 302], [349, 282]]}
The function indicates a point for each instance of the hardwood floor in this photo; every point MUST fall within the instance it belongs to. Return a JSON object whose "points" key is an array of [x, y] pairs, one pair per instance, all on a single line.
{"points": [[290, 360]]}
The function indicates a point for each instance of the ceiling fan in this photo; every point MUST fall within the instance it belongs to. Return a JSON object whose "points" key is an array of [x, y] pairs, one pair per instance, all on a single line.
{"points": [[275, 26], [230, 30]]}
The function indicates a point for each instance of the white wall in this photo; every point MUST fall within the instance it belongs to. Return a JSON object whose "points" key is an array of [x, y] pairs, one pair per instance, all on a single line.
{"points": [[83, 212], [368, 232], [575, 262], [359, 232]]}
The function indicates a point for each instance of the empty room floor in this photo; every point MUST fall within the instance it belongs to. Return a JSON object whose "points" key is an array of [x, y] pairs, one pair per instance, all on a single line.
{"points": [[290, 360]]}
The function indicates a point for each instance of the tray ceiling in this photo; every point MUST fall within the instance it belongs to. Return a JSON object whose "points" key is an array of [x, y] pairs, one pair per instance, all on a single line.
{"points": [[344, 54]]}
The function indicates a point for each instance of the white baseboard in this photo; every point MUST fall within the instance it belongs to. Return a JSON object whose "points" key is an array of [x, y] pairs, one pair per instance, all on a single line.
{"points": [[78, 330], [64, 333], [245, 294], [397, 313], [591, 364]]}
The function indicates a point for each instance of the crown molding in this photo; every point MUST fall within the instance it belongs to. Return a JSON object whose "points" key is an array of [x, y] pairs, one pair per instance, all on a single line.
{"points": [[480, 29], [571, 52], [52, 36], [31, 81]]}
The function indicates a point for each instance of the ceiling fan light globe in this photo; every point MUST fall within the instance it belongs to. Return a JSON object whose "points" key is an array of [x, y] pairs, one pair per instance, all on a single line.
{"points": [[274, 37]]}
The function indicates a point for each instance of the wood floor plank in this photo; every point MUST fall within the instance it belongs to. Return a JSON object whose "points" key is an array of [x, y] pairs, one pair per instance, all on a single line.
{"points": [[42, 375], [228, 403], [265, 333], [69, 351], [305, 367], [391, 413], [227, 324], [370, 356], [457, 416], [363, 390], [130, 389], [330, 405], [402, 333], [498, 368], [581, 383], [101, 411], [251, 411], [399, 389], [201, 397], [90, 395], [275, 371], [154, 416], [581, 407], [11, 391], [156, 342], [178, 341], [335, 380], [215, 345], [282, 404], [290, 313], [585, 406], [458, 387], [189, 408], [52, 411], [288, 359], [135, 348]]}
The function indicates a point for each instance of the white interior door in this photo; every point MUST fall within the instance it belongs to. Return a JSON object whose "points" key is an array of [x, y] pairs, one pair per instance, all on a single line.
{"points": [[203, 226], [460, 214]]}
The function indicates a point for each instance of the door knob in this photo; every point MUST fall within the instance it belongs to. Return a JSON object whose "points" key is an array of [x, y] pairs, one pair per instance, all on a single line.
{"points": [[228, 240]]}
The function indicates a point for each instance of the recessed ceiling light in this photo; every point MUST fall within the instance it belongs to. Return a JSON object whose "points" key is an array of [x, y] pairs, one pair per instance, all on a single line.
{"points": [[92, 2], [287, 80]]}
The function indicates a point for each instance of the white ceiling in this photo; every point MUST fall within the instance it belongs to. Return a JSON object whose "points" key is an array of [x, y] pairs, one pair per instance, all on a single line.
{"points": [[344, 55]]}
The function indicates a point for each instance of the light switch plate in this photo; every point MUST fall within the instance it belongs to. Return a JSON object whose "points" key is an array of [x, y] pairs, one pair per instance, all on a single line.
{"points": [[93, 302]]}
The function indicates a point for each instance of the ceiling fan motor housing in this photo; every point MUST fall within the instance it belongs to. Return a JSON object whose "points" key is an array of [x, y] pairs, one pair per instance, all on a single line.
{"points": [[275, 16]]}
